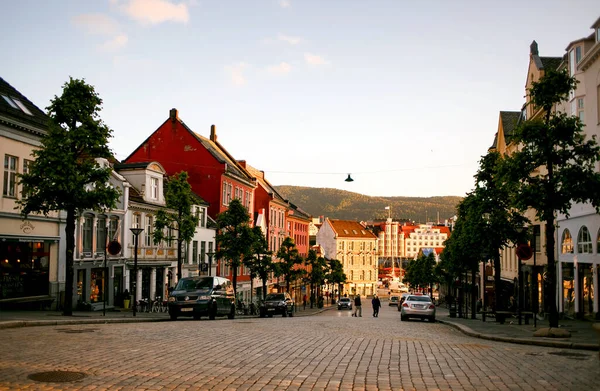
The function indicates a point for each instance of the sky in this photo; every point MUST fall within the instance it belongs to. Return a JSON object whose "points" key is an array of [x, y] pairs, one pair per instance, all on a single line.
{"points": [[402, 95]]}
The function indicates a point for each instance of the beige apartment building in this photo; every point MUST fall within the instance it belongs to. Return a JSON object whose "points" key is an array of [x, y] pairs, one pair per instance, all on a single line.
{"points": [[29, 267], [356, 248]]}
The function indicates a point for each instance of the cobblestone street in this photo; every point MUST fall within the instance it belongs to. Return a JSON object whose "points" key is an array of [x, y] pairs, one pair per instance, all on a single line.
{"points": [[329, 351]]}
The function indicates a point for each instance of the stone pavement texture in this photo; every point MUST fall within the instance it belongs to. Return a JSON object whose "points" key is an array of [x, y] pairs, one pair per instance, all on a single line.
{"points": [[585, 335], [329, 350]]}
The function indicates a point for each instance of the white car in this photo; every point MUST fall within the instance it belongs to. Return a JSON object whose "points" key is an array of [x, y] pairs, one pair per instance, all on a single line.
{"points": [[418, 306]]}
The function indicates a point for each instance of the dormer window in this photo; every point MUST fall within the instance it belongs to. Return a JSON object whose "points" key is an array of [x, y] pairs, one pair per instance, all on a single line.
{"points": [[598, 34], [154, 188], [577, 54]]}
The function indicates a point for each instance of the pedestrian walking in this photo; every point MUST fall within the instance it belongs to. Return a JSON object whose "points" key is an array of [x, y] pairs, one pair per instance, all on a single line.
{"points": [[376, 306], [357, 306]]}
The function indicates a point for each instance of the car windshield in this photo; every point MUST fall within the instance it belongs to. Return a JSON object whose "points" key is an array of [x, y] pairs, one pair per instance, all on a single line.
{"points": [[194, 284], [418, 298], [344, 299], [275, 296], [394, 298]]}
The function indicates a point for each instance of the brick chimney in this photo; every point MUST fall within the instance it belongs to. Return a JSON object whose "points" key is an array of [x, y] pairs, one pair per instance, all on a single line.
{"points": [[173, 115], [213, 133]]}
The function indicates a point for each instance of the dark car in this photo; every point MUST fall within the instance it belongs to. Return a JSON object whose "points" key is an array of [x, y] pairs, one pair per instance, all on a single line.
{"points": [[202, 296], [277, 304], [344, 302]]}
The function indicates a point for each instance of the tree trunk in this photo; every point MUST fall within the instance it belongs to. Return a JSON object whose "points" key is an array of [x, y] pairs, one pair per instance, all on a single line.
{"points": [[473, 296], [551, 274], [70, 238], [178, 254], [234, 278], [499, 304], [264, 289]]}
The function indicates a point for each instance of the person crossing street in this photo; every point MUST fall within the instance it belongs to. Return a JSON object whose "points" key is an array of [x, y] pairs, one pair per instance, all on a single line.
{"points": [[376, 303], [357, 306]]}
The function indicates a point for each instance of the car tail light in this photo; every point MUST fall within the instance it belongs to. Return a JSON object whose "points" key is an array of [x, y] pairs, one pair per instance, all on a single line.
{"points": [[431, 307], [405, 305]]}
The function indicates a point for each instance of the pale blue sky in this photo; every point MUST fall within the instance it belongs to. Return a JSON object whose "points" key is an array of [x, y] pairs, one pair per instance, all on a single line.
{"points": [[404, 95]]}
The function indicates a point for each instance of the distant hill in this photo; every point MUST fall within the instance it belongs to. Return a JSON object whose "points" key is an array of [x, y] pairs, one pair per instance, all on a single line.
{"points": [[340, 204]]}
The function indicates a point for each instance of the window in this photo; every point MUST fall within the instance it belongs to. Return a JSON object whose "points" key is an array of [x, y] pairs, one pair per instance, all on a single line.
{"points": [[154, 188], [578, 54], [101, 234], [224, 195], [571, 62], [202, 252], [229, 191], [580, 112], [195, 252], [26, 170], [16, 104], [88, 224], [112, 228], [170, 236], [10, 176], [148, 231], [584, 241]]}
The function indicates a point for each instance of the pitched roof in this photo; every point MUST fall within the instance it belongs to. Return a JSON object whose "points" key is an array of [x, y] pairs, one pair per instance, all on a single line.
{"points": [[550, 63], [509, 121], [260, 177], [350, 229], [37, 118]]}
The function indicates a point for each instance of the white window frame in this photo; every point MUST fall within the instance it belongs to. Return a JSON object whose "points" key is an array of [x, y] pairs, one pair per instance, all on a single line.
{"points": [[154, 182], [11, 168]]}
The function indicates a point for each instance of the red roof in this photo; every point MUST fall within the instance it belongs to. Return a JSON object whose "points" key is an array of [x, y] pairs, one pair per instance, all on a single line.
{"points": [[350, 229]]}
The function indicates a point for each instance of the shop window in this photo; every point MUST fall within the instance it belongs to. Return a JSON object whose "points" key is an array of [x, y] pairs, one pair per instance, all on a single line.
{"points": [[568, 273], [88, 225], [567, 242], [584, 241]]}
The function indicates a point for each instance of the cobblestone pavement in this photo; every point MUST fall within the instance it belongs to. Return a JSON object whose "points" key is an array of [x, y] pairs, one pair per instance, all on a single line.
{"points": [[328, 351]]}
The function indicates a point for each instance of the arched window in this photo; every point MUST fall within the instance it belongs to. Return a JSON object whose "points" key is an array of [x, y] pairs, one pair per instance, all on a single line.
{"points": [[584, 241], [567, 242]]}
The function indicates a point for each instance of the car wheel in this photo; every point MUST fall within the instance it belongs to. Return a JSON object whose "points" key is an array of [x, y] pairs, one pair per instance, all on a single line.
{"points": [[212, 311], [262, 314], [403, 318], [196, 317], [432, 319], [270, 315], [173, 316], [231, 313]]}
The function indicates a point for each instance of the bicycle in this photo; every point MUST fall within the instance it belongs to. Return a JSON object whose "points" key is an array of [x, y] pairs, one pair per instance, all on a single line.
{"points": [[157, 305], [143, 305]]}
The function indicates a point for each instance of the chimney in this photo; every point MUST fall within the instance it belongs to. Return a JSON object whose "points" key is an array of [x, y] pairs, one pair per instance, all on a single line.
{"points": [[173, 115], [213, 133], [242, 163], [533, 48]]}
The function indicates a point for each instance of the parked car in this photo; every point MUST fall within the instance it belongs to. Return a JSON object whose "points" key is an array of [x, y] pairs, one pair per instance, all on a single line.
{"points": [[277, 304], [202, 296], [344, 302], [402, 299], [394, 300], [418, 306]]}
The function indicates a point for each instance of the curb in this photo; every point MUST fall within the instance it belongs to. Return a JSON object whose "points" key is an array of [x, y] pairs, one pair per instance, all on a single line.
{"points": [[522, 341]]}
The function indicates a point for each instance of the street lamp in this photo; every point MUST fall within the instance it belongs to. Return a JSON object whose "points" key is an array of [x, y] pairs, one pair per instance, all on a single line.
{"points": [[136, 233]]}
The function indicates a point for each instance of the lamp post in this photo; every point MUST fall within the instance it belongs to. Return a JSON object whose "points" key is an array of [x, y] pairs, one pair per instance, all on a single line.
{"points": [[136, 233]]}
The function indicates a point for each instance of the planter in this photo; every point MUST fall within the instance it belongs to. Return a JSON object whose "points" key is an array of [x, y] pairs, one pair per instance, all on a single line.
{"points": [[126, 304]]}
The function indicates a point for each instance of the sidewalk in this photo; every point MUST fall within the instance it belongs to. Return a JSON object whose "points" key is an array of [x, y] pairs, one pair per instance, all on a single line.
{"points": [[11, 319], [583, 334]]}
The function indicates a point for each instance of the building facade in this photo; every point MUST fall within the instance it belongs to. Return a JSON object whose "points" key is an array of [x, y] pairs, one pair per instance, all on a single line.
{"points": [[29, 248], [356, 248]]}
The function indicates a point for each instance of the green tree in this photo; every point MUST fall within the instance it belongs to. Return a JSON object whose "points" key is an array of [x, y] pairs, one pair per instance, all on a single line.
{"points": [[336, 275], [554, 166], [178, 215], [259, 259], [65, 174], [318, 269], [234, 237], [289, 261]]}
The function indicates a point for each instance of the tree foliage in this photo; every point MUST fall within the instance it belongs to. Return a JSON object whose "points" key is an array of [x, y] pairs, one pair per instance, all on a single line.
{"points": [[178, 215], [336, 275], [234, 236], [289, 261], [554, 165], [65, 174], [420, 272], [259, 259]]}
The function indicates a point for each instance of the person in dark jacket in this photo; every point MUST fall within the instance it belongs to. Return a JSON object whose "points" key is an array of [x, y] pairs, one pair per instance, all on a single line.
{"points": [[357, 306], [376, 306]]}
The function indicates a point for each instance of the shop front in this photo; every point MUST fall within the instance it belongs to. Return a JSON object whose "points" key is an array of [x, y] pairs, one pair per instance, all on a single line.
{"points": [[97, 285]]}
